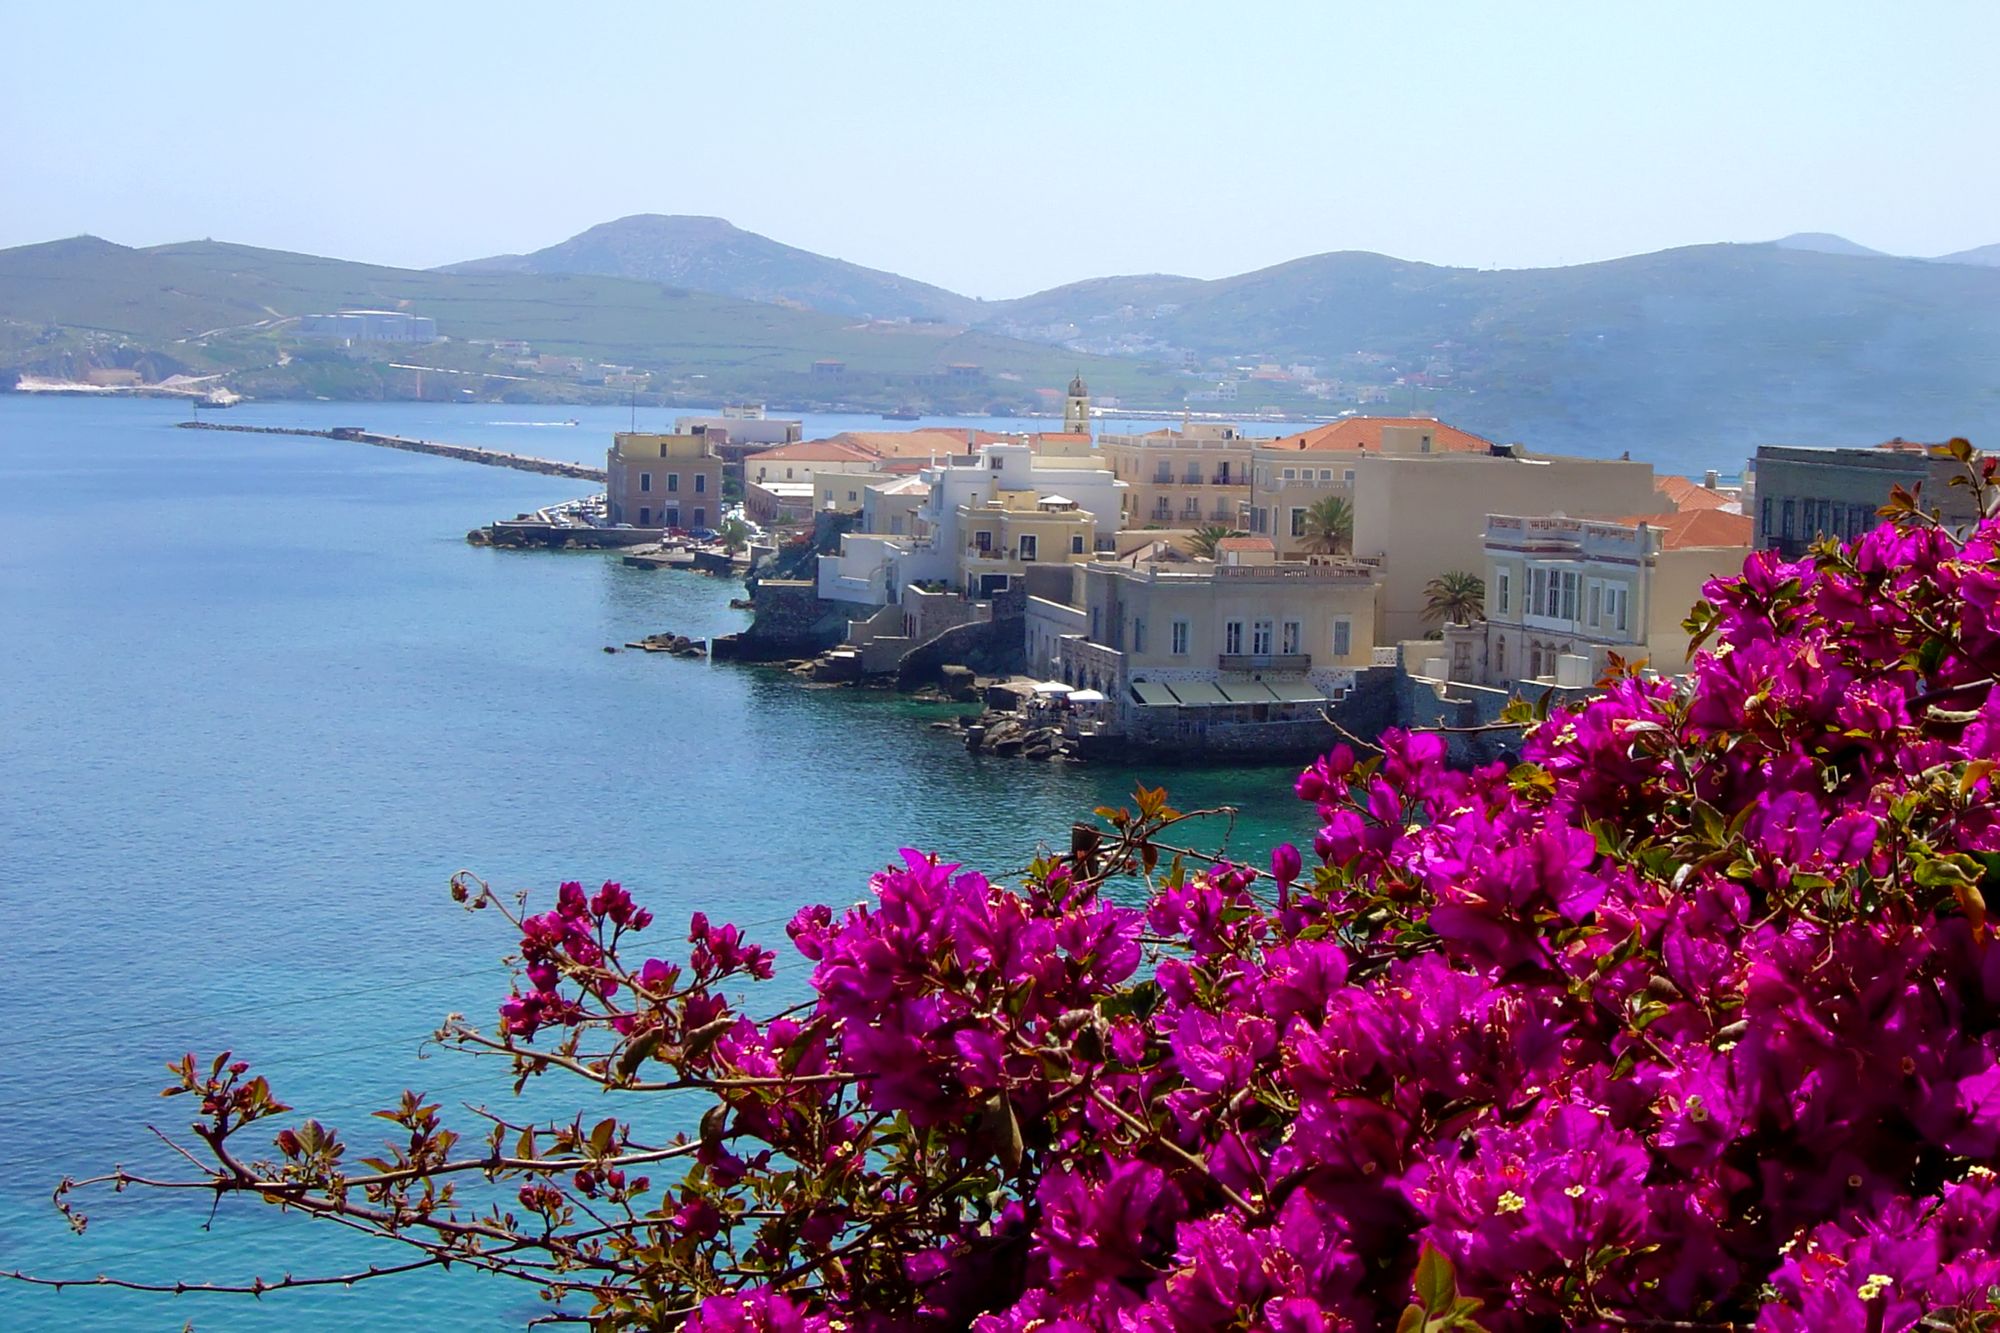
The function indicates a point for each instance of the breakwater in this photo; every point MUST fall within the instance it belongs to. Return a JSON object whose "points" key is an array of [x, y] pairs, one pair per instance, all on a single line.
{"points": [[464, 453]]}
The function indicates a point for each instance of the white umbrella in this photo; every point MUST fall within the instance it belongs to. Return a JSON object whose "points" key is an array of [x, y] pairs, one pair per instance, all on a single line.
{"points": [[1052, 687], [1086, 696]]}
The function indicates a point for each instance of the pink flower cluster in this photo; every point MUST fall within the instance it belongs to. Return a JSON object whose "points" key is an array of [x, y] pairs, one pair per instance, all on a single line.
{"points": [[1691, 1016]]}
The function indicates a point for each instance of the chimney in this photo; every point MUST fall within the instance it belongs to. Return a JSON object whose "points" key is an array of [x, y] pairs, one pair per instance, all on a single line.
{"points": [[1710, 478]]}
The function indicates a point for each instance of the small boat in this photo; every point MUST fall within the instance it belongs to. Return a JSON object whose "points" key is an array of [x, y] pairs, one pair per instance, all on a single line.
{"points": [[902, 414]]}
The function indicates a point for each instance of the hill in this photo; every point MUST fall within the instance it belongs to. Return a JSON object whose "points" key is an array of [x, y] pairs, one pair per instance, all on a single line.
{"points": [[1825, 243], [1987, 255], [202, 306], [1704, 344], [710, 255]]}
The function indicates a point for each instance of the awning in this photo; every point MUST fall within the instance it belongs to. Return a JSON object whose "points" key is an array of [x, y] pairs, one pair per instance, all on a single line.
{"points": [[1052, 687], [1296, 691], [1086, 696], [1247, 692], [1199, 694], [1151, 692]]}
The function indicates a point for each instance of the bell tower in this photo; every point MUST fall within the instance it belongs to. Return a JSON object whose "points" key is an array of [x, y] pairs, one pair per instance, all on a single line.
{"points": [[1076, 407]]}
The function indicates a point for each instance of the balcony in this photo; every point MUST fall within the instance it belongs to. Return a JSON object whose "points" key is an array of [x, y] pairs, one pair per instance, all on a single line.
{"points": [[1293, 662]]}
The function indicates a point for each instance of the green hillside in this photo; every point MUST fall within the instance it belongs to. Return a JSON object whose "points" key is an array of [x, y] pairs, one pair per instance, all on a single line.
{"points": [[710, 255], [208, 305]]}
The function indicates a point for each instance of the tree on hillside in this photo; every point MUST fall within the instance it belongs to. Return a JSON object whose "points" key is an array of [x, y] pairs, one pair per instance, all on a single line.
{"points": [[1329, 526], [1203, 541], [1456, 597], [1689, 1020]]}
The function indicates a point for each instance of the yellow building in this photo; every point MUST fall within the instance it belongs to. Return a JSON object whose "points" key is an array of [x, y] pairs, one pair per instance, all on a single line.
{"points": [[1198, 476], [1013, 530], [663, 481], [1293, 473]]}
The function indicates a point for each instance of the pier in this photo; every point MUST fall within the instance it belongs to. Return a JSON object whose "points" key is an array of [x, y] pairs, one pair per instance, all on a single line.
{"points": [[464, 453]]}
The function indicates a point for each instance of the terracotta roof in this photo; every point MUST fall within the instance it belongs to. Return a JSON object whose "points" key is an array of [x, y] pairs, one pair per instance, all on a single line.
{"points": [[1365, 433], [835, 450], [1685, 494], [1246, 544], [932, 440], [1899, 445], [1692, 527], [1067, 436]]}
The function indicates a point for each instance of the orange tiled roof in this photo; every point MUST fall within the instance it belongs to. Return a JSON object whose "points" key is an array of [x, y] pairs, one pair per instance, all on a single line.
{"points": [[834, 450], [1899, 445], [1365, 433], [1692, 527], [1246, 544], [1684, 494], [933, 440]]}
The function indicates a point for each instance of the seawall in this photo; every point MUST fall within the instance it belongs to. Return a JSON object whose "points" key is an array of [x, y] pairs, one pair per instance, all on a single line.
{"points": [[464, 453]]}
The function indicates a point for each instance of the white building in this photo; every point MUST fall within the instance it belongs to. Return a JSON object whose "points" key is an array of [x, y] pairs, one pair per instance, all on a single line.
{"points": [[872, 569]]}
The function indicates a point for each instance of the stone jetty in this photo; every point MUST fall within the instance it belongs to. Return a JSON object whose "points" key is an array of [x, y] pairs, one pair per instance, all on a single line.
{"points": [[464, 453]]}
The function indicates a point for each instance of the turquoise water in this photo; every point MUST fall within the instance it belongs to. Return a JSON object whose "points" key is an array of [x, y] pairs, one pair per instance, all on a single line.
{"points": [[258, 701]]}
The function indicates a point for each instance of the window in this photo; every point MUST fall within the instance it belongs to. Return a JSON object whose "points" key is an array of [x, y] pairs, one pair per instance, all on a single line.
{"points": [[1138, 634], [1764, 519], [996, 463], [645, 481], [1326, 474], [1552, 600], [1260, 638], [1192, 474], [1569, 595], [1500, 658], [1076, 544], [701, 485], [1343, 636], [1790, 514], [1349, 478], [1028, 546], [1180, 638], [1596, 603], [850, 495], [1163, 472], [700, 517], [670, 518], [645, 517], [1298, 522], [1232, 637], [1288, 639], [1501, 590], [984, 541], [673, 481], [1290, 474]]}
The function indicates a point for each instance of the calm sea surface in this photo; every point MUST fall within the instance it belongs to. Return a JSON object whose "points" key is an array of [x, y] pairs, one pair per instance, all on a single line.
{"points": [[258, 701]]}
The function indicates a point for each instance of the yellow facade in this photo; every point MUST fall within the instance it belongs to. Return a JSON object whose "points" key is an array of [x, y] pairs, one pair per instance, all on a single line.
{"points": [[662, 481]]}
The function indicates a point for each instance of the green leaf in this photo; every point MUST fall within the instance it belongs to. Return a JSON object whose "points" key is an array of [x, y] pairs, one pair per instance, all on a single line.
{"points": [[1437, 1283], [636, 1054]]}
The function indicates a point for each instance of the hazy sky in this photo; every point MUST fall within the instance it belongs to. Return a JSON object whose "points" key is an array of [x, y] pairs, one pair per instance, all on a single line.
{"points": [[999, 148]]}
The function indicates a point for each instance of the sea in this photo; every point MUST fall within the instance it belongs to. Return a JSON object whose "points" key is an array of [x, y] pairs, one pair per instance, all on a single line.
{"points": [[259, 700]]}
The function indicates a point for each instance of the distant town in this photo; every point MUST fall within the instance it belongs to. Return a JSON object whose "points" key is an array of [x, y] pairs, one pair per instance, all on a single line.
{"points": [[1199, 593]]}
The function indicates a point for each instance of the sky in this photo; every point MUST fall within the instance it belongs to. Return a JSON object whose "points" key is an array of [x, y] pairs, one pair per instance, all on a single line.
{"points": [[1003, 148]]}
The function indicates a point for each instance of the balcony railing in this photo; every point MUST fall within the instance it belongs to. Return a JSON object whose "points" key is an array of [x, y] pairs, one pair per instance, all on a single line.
{"points": [[1300, 662]]}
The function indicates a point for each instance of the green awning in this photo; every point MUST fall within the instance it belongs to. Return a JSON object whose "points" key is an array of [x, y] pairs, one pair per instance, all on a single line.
{"points": [[1199, 694], [1150, 692], [1247, 692], [1295, 691]]}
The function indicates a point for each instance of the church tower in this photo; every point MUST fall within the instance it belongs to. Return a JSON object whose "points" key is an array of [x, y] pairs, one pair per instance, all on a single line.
{"points": [[1076, 408]]}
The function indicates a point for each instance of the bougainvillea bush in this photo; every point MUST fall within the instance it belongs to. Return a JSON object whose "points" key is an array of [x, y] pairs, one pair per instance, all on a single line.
{"points": [[1688, 1020]]}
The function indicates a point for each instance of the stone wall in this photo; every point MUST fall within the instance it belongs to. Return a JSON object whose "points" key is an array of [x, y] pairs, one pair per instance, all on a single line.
{"points": [[791, 621]]}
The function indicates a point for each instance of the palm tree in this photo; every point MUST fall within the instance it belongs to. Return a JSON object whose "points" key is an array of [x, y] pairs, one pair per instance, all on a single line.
{"points": [[1203, 540], [1456, 596], [1329, 526], [734, 533]]}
